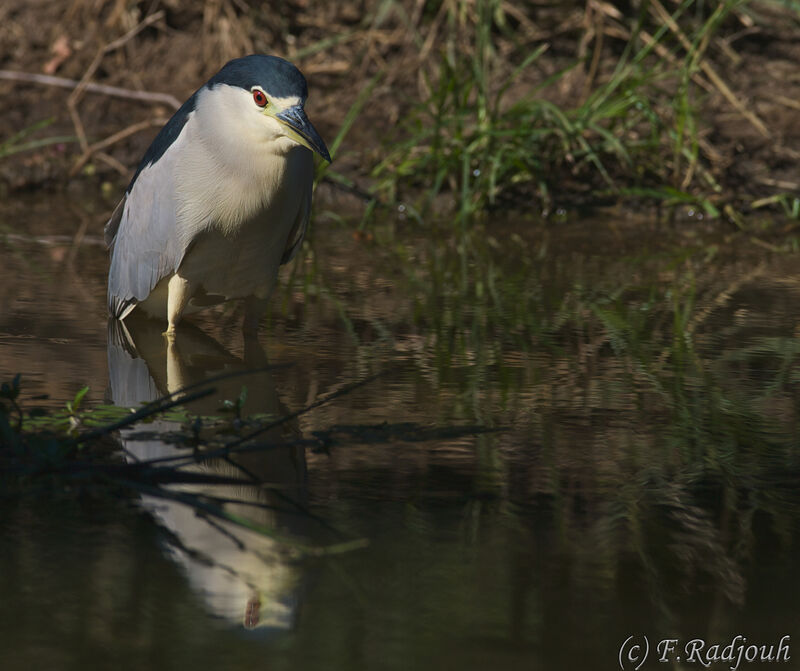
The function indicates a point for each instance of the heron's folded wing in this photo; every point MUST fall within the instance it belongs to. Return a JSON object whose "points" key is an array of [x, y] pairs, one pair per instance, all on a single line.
{"points": [[145, 246], [298, 231]]}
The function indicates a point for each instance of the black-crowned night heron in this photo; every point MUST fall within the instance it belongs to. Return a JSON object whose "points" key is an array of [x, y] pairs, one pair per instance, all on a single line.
{"points": [[221, 198]]}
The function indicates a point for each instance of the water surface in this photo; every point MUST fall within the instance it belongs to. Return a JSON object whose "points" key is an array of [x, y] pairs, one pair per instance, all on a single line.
{"points": [[639, 379]]}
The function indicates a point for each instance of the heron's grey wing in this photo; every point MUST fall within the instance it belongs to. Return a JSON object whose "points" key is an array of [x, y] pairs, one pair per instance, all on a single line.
{"points": [[111, 228], [142, 234], [298, 231]]}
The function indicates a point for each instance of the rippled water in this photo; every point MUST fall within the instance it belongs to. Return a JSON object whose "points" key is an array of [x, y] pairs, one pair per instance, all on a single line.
{"points": [[640, 477]]}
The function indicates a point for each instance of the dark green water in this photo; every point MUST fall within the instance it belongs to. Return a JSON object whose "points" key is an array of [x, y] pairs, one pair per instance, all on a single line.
{"points": [[641, 477]]}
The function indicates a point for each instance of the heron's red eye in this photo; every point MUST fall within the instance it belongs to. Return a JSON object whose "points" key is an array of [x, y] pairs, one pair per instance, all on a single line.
{"points": [[259, 98]]}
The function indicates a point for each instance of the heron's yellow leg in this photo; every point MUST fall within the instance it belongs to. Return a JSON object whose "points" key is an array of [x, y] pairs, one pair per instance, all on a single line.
{"points": [[179, 292]]}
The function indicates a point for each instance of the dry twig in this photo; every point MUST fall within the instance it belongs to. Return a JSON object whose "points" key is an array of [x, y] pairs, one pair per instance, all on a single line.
{"points": [[77, 93], [90, 87], [113, 139]]}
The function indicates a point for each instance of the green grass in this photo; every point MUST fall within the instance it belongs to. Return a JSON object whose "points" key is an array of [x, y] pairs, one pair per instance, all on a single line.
{"points": [[485, 133], [19, 142]]}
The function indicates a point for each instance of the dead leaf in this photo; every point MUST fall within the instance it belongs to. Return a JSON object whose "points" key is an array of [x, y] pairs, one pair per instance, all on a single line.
{"points": [[61, 52]]}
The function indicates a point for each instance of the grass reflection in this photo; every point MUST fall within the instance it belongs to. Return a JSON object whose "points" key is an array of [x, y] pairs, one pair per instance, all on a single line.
{"points": [[643, 384], [646, 387]]}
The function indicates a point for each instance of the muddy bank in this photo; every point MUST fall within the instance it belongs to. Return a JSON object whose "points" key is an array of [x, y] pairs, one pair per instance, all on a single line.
{"points": [[743, 80]]}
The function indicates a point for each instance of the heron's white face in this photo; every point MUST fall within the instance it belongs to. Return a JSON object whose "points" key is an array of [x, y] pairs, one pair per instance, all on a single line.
{"points": [[267, 109], [245, 122]]}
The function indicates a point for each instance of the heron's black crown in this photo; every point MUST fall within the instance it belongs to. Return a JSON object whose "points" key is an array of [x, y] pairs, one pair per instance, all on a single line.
{"points": [[278, 78]]}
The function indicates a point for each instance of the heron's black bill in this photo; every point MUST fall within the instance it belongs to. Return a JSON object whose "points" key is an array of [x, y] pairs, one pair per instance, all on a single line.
{"points": [[295, 118]]}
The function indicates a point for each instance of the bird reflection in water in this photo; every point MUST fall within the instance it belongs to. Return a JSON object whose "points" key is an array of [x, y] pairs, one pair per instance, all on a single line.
{"points": [[243, 576]]}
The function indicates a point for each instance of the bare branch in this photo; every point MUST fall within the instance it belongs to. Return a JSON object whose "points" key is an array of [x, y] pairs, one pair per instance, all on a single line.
{"points": [[113, 139], [102, 89]]}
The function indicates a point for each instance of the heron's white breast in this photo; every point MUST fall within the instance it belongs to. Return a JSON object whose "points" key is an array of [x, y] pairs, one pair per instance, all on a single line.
{"points": [[237, 166], [239, 193]]}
